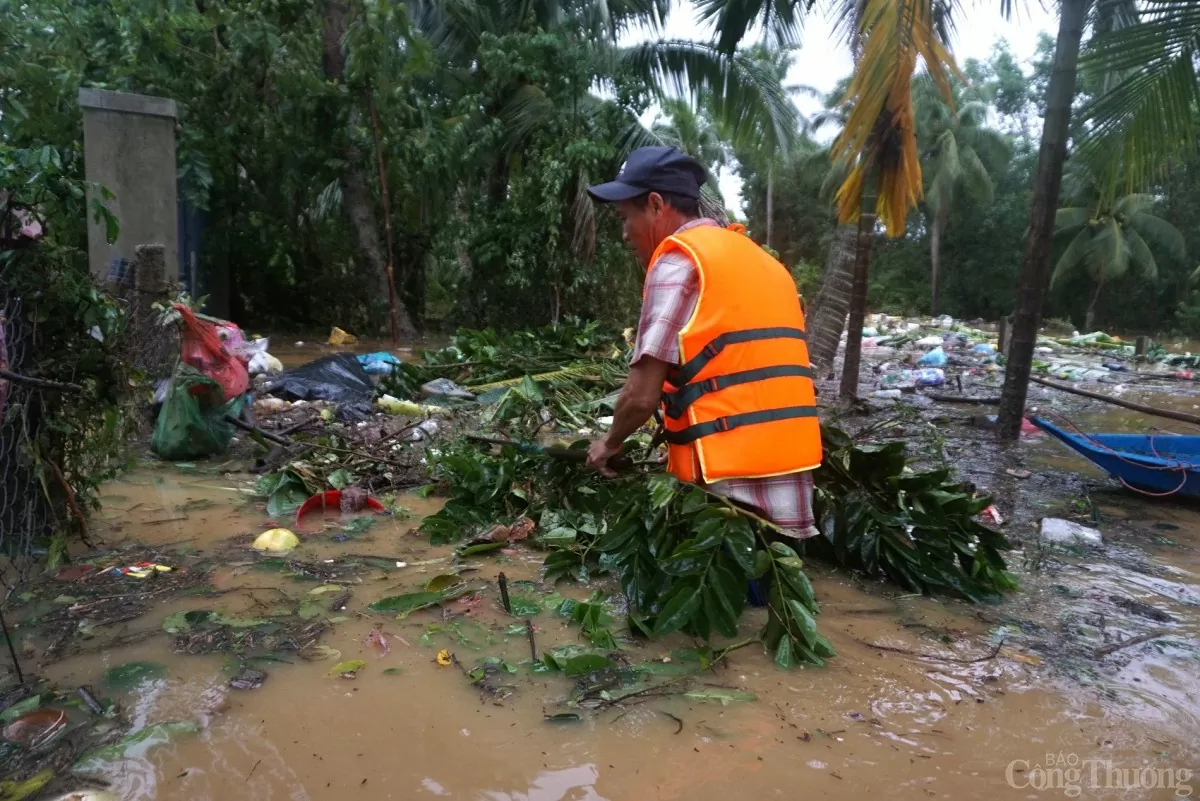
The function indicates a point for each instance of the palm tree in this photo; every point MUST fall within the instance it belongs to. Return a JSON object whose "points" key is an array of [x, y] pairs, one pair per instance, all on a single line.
{"points": [[957, 148], [1108, 239], [692, 130]]}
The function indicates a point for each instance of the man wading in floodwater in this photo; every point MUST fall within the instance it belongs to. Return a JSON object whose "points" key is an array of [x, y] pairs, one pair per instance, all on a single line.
{"points": [[720, 345]]}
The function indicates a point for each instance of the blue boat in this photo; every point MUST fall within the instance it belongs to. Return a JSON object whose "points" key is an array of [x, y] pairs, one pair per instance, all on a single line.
{"points": [[1158, 465]]}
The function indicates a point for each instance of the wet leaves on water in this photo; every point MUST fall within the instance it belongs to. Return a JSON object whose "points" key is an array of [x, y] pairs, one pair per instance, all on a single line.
{"points": [[131, 674], [406, 604], [148, 737], [720, 695], [341, 478], [481, 546], [315, 653], [583, 664], [20, 790], [525, 606], [309, 609], [183, 622], [393, 671], [20, 708], [324, 588], [442, 582], [564, 717], [346, 670]]}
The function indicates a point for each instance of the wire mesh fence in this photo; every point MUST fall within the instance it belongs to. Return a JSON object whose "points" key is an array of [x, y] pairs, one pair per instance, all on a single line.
{"points": [[25, 513]]}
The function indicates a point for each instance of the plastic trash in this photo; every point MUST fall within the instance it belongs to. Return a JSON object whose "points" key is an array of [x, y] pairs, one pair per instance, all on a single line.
{"points": [[945, 321], [1043, 351], [191, 422], [929, 342], [1116, 367], [445, 388], [276, 540], [1065, 532], [342, 501], [338, 378], [870, 331], [378, 363], [338, 337], [140, 570], [906, 379], [396, 406], [935, 358], [269, 406], [985, 348], [422, 432], [264, 364], [201, 349], [886, 394], [930, 377], [1185, 375]]}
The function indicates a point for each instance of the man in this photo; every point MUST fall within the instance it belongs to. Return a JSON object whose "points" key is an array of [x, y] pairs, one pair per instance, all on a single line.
{"points": [[720, 345]]}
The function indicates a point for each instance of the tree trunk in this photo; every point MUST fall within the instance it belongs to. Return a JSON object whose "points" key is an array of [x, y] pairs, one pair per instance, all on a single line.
{"points": [[356, 192], [1035, 267], [940, 218], [858, 296], [828, 309], [1091, 309], [770, 201]]}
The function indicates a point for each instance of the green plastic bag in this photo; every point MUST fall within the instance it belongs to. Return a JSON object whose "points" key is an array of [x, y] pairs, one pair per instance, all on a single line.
{"points": [[191, 423]]}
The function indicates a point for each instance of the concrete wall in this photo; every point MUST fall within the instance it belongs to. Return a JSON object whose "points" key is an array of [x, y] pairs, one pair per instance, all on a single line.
{"points": [[129, 148]]}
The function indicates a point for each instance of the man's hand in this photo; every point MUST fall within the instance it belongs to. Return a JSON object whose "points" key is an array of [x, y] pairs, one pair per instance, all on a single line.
{"points": [[598, 455]]}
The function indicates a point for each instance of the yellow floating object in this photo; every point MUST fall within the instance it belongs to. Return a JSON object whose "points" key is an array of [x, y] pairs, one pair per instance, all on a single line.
{"points": [[443, 658], [396, 406], [276, 540], [339, 337]]}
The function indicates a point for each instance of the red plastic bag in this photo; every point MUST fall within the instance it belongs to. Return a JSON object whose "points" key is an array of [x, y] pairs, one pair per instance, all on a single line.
{"points": [[203, 350]]}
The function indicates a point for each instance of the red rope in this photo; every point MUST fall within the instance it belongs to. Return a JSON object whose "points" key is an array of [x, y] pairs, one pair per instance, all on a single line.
{"points": [[1181, 466]]}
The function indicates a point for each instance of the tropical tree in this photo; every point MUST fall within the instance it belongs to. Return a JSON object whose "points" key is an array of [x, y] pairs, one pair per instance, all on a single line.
{"points": [[1107, 239], [691, 129], [958, 151]]}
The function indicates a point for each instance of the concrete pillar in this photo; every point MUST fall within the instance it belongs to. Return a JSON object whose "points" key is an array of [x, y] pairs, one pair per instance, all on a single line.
{"points": [[129, 149]]}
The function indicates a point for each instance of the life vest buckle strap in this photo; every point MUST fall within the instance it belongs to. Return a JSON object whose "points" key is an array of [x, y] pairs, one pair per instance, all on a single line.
{"points": [[713, 349], [723, 424], [677, 402]]}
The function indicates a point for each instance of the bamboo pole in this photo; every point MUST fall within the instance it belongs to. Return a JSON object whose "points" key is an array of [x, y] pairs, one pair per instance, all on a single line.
{"points": [[1170, 414]]}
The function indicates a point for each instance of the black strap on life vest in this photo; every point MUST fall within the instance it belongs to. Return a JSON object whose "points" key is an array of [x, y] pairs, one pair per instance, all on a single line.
{"points": [[695, 432], [676, 403], [687, 372]]}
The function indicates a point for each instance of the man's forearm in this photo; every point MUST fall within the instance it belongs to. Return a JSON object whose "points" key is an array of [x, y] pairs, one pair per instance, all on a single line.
{"points": [[630, 415]]}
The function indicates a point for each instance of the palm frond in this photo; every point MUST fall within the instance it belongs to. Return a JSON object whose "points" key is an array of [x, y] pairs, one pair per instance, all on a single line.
{"points": [[526, 112], [1108, 254], [976, 176], [1147, 117], [1139, 254], [1070, 218], [1133, 204], [583, 219], [747, 99], [1158, 231], [880, 132], [1075, 255], [780, 19]]}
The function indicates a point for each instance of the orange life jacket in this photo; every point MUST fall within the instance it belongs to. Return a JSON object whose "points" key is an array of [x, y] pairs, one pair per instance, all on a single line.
{"points": [[740, 403]]}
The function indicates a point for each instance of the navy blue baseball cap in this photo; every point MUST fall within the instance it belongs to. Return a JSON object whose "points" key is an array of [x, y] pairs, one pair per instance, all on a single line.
{"points": [[653, 169]]}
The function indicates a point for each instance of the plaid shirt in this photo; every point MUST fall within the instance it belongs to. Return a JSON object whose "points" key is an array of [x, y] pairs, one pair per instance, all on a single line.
{"points": [[671, 293]]}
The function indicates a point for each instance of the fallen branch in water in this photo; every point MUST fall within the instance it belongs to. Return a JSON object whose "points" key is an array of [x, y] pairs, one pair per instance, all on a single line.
{"points": [[937, 657], [1105, 650], [1170, 414], [942, 397]]}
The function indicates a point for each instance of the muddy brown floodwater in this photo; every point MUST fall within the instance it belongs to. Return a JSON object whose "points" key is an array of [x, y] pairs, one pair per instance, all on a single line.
{"points": [[874, 724]]}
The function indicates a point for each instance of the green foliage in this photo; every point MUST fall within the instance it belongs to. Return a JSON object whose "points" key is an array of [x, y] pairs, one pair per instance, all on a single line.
{"points": [[917, 529]]}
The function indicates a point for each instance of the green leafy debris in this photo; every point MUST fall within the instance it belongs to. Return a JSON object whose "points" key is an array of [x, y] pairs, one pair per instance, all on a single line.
{"points": [[131, 674]]}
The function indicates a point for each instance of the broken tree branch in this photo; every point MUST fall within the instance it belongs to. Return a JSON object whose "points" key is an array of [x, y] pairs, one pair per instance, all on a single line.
{"points": [[1170, 414], [1105, 650], [38, 383]]}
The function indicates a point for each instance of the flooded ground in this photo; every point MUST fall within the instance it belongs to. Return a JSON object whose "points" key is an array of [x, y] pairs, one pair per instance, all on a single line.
{"points": [[927, 699]]}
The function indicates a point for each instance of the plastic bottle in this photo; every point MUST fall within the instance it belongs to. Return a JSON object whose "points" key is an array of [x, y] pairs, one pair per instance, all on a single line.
{"points": [[887, 394]]}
